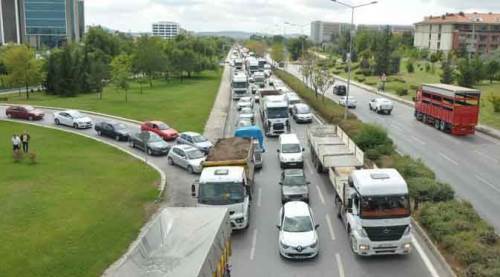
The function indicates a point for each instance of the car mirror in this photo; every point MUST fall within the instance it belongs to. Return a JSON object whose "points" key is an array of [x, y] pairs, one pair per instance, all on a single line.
{"points": [[193, 190], [316, 226], [281, 183], [278, 150], [278, 226], [308, 183], [303, 149]]}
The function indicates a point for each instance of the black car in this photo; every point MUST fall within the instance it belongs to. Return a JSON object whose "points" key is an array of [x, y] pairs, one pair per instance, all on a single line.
{"points": [[340, 90], [115, 130], [150, 143], [294, 186]]}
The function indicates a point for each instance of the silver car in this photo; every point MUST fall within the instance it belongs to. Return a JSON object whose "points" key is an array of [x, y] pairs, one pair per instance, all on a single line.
{"points": [[248, 114], [245, 102], [195, 140], [187, 157]]}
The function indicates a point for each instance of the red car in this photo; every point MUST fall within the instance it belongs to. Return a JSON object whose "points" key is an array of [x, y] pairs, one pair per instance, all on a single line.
{"points": [[24, 112], [160, 128]]}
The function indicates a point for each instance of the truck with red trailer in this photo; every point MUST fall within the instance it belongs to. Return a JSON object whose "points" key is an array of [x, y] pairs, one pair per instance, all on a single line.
{"points": [[451, 109]]}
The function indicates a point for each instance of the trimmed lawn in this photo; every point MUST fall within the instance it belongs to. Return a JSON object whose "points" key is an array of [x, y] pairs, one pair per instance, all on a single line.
{"points": [[76, 210], [184, 105]]}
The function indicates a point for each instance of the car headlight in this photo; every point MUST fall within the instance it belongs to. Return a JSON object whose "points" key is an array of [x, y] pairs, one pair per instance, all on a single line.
{"points": [[239, 220], [314, 244], [407, 246], [285, 246]]}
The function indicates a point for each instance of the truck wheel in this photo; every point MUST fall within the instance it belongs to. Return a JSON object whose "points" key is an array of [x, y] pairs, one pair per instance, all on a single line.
{"points": [[442, 126], [437, 123], [389, 112]]}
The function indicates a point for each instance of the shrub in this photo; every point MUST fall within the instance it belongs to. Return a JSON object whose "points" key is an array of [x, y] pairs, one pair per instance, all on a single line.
{"points": [[358, 73], [495, 101], [373, 137], [410, 168], [371, 83], [336, 72], [414, 87], [409, 67], [427, 67], [424, 189], [402, 91]]}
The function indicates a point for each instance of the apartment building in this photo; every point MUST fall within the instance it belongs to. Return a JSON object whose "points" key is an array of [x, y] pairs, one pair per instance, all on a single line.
{"points": [[322, 31], [166, 29]]}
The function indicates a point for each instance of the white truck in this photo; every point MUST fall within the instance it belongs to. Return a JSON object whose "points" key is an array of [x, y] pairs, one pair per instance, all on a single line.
{"points": [[252, 65], [238, 64], [239, 85], [372, 203], [259, 79], [274, 114]]}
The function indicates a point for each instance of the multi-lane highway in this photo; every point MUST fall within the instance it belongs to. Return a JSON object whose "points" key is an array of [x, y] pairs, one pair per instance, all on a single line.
{"points": [[470, 164]]}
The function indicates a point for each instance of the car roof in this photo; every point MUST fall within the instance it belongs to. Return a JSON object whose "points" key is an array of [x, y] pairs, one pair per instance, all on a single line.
{"points": [[185, 147], [296, 208], [246, 98], [289, 138], [379, 182], [294, 172], [302, 105], [155, 122], [191, 134]]}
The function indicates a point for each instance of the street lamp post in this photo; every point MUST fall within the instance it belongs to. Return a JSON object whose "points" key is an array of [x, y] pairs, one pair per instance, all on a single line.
{"points": [[349, 62]]}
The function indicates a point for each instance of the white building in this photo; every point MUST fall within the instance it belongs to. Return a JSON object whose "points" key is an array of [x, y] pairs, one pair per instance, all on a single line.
{"points": [[322, 31], [166, 29]]}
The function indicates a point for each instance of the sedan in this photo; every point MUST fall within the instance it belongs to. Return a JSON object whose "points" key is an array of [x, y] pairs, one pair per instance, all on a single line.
{"points": [[248, 114], [150, 143], [73, 119], [187, 157], [294, 185], [302, 113], [195, 140], [245, 102], [115, 130], [24, 112], [298, 236], [161, 129], [350, 103]]}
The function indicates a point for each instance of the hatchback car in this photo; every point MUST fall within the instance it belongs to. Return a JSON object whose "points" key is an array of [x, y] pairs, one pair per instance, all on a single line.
{"points": [[186, 156], [73, 119], [243, 122], [195, 140], [245, 102], [302, 113], [150, 143], [247, 113], [298, 236], [294, 185], [115, 130], [350, 103], [292, 98], [24, 112], [161, 129]]}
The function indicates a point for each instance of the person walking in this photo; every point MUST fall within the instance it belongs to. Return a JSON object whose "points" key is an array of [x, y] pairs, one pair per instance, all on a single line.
{"points": [[16, 141], [25, 139]]}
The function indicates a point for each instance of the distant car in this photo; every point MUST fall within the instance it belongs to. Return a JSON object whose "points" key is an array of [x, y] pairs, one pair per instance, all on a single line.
{"points": [[245, 102], [24, 112], [381, 105], [149, 142], [251, 80], [298, 236], [247, 112], [292, 98], [243, 122], [257, 154], [339, 89], [161, 129], [253, 89], [350, 103], [186, 156], [73, 119], [302, 113], [294, 186], [195, 140], [115, 130], [270, 82]]}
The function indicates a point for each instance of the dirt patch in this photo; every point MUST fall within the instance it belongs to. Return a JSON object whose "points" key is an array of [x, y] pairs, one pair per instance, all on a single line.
{"points": [[229, 149]]}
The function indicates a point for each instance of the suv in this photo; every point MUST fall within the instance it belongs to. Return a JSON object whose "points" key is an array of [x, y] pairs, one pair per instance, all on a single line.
{"points": [[294, 185], [339, 89], [381, 105]]}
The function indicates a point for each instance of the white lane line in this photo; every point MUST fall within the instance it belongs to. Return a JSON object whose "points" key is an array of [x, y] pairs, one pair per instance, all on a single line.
{"points": [[487, 183], [309, 167], [340, 266], [254, 241], [330, 226], [425, 259], [486, 156], [321, 198], [259, 197], [418, 140], [448, 158]]}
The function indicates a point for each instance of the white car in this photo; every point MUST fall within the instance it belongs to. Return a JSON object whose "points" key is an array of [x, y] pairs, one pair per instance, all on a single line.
{"points": [[350, 103], [73, 119], [245, 102], [290, 151], [381, 105], [186, 156], [302, 113], [298, 238], [292, 98]]}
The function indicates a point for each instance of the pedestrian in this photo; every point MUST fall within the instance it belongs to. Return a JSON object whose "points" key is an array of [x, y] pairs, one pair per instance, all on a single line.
{"points": [[16, 141], [25, 139]]}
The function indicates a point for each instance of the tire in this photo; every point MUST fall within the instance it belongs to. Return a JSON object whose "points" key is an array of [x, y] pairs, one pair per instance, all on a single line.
{"points": [[75, 126], [57, 121], [99, 133], [190, 170], [437, 123], [389, 112], [424, 118], [30, 118], [117, 138], [170, 161], [149, 151], [442, 126], [132, 144], [9, 115]]}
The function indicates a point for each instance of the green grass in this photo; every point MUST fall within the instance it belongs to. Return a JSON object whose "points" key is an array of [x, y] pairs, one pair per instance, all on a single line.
{"points": [[75, 211], [487, 115], [184, 105]]}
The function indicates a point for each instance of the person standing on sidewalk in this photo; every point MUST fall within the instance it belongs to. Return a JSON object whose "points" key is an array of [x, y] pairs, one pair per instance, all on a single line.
{"points": [[25, 139], [16, 141]]}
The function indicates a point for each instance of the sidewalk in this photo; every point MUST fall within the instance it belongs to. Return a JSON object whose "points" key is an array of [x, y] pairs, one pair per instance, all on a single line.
{"points": [[215, 126]]}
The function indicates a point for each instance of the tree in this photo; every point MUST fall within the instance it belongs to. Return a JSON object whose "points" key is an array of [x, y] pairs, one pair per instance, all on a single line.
{"points": [[383, 53], [492, 69], [321, 81], [23, 68], [149, 58], [277, 52], [447, 75], [296, 47], [121, 66], [465, 76], [410, 67], [307, 66]]}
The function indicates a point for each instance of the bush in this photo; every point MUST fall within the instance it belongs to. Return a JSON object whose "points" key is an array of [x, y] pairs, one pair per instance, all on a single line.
{"points": [[409, 67], [336, 72], [371, 83], [414, 87], [402, 91], [410, 168], [424, 189], [359, 78], [373, 137], [427, 67], [495, 101]]}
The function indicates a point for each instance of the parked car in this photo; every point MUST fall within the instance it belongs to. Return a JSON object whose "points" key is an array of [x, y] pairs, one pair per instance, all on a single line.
{"points": [[161, 129], [73, 119], [115, 130], [245, 102], [247, 112], [381, 105], [24, 112], [195, 140], [294, 186], [298, 236], [186, 156], [302, 113], [339, 89], [149, 142], [350, 103]]}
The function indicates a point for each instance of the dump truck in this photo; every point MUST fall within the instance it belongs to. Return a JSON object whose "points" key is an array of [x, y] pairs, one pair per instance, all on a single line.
{"points": [[179, 242], [227, 179]]}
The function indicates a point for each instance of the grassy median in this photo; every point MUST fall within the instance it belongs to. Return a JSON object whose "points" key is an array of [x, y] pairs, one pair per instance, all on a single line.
{"points": [[185, 105], [74, 211]]}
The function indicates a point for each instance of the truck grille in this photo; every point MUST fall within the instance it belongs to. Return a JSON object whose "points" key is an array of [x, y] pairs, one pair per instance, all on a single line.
{"points": [[278, 126], [385, 233]]}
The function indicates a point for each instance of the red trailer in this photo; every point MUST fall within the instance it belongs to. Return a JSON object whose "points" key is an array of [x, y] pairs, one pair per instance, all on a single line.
{"points": [[449, 108]]}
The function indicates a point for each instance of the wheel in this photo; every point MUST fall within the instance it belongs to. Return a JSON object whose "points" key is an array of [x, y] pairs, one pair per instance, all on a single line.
{"points": [[57, 121], [75, 126], [117, 138], [437, 123], [99, 133], [389, 112], [442, 126], [170, 161], [149, 151], [132, 144], [424, 118], [9, 115], [190, 170], [30, 118], [370, 107]]}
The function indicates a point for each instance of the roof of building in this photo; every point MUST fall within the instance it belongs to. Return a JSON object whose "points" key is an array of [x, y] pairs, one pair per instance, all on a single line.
{"points": [[477, 18]]}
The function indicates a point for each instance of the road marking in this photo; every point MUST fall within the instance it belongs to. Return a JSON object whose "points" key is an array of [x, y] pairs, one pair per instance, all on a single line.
{"points": [[254, 241], [487, 183], [418, 140], [330, 226], [321, 198], [425, 259], [448, 158], [319, 120], [309, 167], [340, 265], [486, 156], [259, 197]]}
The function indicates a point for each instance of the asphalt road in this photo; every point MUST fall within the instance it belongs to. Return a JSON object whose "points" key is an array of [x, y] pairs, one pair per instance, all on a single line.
{"points": [[470, 164]]}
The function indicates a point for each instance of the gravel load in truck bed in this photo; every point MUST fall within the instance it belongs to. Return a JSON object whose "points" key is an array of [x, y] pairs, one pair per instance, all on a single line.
{"points": [[229, 149]]}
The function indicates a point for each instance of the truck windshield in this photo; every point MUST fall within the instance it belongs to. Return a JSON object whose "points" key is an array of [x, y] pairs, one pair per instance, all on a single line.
{"points": [[240, 84], [221, 193], [277, 112], [385, 206]]}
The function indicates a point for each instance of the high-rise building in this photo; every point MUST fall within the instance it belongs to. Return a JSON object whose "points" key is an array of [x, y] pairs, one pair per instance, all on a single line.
{"points": [[326, 31], [10, 18], [81, 17], [166, 29], [392, 28]]}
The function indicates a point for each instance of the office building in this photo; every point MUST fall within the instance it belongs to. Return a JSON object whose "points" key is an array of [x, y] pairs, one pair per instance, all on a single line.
{"points": [[166, 29], [475, 32], [10, 18], [322, 31], [398, 29]]}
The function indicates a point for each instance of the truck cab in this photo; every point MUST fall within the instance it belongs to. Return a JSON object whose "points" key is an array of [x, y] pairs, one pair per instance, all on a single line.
{"points": [[239, 86], [274, 115]]}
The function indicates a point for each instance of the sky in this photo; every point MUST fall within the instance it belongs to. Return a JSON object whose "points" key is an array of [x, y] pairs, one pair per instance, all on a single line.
{"points": [[266, 16]]}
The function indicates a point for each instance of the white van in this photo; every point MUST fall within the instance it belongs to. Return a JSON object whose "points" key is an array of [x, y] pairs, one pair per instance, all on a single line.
{"points": [[290, 152]]}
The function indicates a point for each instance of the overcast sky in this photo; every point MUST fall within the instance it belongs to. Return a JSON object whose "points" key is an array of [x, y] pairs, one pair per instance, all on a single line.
{"points": [[265, 15]]}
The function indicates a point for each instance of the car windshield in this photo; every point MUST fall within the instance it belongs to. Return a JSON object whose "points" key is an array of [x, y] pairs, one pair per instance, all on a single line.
{"points": [[119, 126], [290, 148], [277, 113], [163, 126], [246, 111], [240, 84], [29, 108], [221, 193], [154, 138], [294, 180], [244, 123], [195, 154], [76, 115], [303, 109], [297, 224], [199, 139], [385, 206]]}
